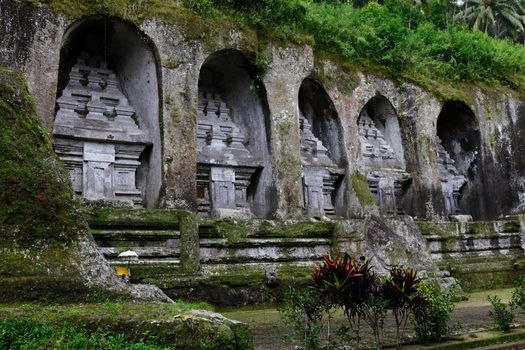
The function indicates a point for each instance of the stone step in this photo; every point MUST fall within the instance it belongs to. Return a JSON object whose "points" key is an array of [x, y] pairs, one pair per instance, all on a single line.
{"points": [[136, 219], [454, 229], [164, 254], [486, 255], [133, 233], [264, 242], [166, 262]]}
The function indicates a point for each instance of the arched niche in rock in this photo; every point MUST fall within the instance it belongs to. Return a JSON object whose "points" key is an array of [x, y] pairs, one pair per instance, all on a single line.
{"points": [[382, 154], [458, 148], [107, 128], [234, 176], [323, 161]]}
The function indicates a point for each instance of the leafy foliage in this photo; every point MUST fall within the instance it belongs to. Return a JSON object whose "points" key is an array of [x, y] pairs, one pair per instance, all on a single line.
{"points": [[304, 313], [498, 18], [518, 295], [344, 281], [352, 285], [418, 42], [431, 321], [501, 316], [364, 296], [27, 334], [403, 296]]}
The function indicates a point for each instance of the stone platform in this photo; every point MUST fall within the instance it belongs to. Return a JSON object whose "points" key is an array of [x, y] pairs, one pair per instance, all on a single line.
{"points": [[252, 261]]}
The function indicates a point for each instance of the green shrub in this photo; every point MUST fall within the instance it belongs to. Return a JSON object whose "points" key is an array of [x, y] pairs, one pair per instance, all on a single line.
{"points": [[431, 321], [27, 334], [501, 316], [518, 295], [304, 312]]}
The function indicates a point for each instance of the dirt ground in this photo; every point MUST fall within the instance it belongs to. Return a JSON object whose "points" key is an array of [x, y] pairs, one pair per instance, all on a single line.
{"points": [[270, 333]]}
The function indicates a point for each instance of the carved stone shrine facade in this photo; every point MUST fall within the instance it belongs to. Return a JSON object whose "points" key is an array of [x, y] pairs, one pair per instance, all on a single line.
{"points": [[225, 165], [385, 172], [320, 174], [96, 134]]}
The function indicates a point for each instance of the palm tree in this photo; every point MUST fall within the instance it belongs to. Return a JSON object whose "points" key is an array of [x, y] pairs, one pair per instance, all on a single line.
{"points": [[499, 18]]}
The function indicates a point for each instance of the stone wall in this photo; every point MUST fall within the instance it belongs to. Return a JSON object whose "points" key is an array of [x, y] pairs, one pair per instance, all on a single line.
{"points": [[247, 261], [253, 261], [479, 254]]}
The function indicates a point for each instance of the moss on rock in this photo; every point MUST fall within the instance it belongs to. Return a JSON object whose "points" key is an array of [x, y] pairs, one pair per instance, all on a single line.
{"points": [[39, 218], [36, 199], [236, 230], [362, 191]]}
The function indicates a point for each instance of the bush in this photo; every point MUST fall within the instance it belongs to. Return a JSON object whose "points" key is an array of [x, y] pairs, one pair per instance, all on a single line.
{"points": [[304, 312], [518, 295], [364, 296], [431, 321], [352, 285], [501, 316]]}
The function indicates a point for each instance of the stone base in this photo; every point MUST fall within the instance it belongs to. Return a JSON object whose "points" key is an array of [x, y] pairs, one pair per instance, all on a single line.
{"points": [[242, 213], [111, 203], [460, 218]]}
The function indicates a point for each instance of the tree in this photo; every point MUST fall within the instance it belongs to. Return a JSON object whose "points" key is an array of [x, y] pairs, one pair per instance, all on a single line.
{"points": [[498, 18]]}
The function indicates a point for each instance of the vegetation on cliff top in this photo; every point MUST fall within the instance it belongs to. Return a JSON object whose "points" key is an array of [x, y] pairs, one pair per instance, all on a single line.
{"points": [[418, 42]]}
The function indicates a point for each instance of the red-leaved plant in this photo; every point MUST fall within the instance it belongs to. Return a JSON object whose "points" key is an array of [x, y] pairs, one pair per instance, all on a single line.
{"points": [[347, 282], [403, 296]]}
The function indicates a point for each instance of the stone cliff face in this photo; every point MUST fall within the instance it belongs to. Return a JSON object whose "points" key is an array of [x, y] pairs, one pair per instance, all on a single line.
{"points": [[481, 134], [289, 134]]}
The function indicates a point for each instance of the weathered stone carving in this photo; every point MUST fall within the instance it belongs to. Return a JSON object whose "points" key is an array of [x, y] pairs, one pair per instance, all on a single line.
{"points": [[96, 134], [320, 173], [385, 171], [225, 166], [451, 180]]}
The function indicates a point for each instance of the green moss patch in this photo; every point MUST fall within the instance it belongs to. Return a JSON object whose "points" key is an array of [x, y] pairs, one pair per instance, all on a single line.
{"points": [[40, 220], [236, 230], [137, 218], [362, 191], [36, 200]]}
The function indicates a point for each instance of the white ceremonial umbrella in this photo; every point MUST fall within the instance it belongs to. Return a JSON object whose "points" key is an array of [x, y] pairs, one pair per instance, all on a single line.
{"points": [[129, 254]]}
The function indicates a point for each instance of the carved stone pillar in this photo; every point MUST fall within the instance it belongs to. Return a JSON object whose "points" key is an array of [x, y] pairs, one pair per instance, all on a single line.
{"points": [[451, 180]]}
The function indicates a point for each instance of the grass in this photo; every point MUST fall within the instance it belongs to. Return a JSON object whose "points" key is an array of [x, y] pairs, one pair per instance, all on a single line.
{"points": [[114, 325], [74, 313], [29, 334], [480, 297], [268, 328]]}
